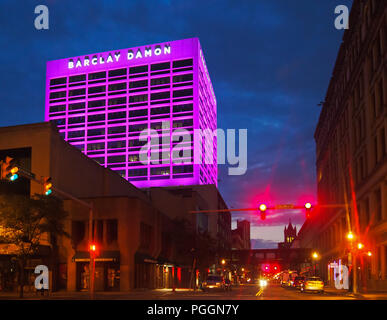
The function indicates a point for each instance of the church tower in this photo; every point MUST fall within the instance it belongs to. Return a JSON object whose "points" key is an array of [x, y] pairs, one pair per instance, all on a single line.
{"points": [[290, 234]]}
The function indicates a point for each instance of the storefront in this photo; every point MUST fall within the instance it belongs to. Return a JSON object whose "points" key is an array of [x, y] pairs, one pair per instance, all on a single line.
{"points": [[107, 271]]}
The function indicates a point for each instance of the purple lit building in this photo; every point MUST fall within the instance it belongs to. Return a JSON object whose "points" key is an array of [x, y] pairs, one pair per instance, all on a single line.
{"points": [[101, 102]]}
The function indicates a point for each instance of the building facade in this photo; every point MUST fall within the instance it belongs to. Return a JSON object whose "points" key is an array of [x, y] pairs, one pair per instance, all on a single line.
{"points": [[241, 235], [351, 156], [102, 102], [135, 239]]}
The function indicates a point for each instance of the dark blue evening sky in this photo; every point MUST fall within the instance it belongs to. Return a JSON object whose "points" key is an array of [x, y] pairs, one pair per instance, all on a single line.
{"points": [[270, 62]]}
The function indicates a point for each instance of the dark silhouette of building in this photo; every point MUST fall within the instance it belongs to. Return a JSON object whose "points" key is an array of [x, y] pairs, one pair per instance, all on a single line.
{"points": [[290, 234], [241, 235]]}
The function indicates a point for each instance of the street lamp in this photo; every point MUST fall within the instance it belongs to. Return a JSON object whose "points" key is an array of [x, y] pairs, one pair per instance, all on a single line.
{"points": [[223, 261], [315, 256], [360, 246], [350, 236]]}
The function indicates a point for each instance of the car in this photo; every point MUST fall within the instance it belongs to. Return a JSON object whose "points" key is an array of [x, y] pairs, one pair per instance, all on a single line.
{"points": [[298, 281], [214, 282], [313, 284]]}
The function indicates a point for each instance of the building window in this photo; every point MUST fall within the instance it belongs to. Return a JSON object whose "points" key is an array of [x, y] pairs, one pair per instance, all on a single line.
{"points": [[76, 120], [138, 98], [97, 89], [97, 75], [112, 230], [117, 115], [145, 235], [183, 78], [114, 130], [161, 95], [77, 92], [96, 103], [75, 134], [182, 93], [160, 81], [378, 205], [139, 69], [138, 84], [54, 82], [77, 106], [57, 95], [183, 63], [80, 77], [117, 86], [160, 66], [77, 231], [116, 159], [117, 72], [96, 146]]}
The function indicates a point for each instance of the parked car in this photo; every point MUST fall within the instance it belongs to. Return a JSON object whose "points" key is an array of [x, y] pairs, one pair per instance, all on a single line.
{"points": [[214, 282], [298, 281], [313, 284]]}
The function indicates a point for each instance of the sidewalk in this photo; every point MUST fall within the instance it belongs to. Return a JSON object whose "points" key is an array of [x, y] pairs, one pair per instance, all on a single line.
{"points": [[359, 295]]}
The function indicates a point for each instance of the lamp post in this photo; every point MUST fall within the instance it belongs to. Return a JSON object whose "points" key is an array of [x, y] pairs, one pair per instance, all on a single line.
{"points": [[351, 238], [315, 257]]}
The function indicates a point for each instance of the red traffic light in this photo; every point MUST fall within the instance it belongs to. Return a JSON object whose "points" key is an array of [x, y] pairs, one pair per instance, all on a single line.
{"points": [[262, 209], [308, 207]]}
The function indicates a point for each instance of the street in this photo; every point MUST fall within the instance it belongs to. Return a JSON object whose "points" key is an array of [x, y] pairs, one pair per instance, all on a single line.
{"points": [[244, 292]]}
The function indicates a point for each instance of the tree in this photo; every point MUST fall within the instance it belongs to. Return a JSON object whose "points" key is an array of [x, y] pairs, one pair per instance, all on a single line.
{"points": [[25, 222]]}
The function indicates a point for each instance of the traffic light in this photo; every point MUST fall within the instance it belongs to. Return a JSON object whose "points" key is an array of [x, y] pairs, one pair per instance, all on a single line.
{"points": [[93, 248], [262, 209], [47, 186], [9, 169], [308, 208]]}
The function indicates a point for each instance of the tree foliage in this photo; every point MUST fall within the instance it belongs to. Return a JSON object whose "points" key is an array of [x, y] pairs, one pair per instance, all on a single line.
{"points": [[27, 222]]}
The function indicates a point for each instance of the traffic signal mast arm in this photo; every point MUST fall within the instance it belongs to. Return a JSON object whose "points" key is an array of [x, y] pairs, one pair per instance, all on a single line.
{"points": [[277, 207]]}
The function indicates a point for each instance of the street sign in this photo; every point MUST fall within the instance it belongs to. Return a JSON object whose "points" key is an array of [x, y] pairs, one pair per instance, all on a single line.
{"points": [[284, 206]]}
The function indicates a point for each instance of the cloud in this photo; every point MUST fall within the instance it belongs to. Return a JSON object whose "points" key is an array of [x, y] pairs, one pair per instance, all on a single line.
{"points": [[263, 244], [270, 63]]}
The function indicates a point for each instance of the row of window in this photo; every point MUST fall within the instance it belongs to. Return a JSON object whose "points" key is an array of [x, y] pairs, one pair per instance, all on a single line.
{"points": [[134, 98], [188, 107]]}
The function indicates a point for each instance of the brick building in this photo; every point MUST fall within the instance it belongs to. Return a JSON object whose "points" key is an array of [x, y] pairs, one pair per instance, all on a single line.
{"points": [[351, 155]]}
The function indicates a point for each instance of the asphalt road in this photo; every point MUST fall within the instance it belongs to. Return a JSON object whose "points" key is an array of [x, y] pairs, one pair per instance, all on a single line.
{"points": [[244, 292], [252, 292]]}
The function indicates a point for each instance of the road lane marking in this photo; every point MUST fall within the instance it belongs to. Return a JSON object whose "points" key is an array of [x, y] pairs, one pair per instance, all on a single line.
{"points": [[259, 292]]}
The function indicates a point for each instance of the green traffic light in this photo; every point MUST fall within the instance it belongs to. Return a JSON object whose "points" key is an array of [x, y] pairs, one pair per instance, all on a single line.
{"points": [[14, 177], [48, 192]]}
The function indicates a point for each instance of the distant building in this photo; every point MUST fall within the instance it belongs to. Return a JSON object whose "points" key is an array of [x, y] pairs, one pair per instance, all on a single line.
{"points": [[290, 234], [241, 236]]}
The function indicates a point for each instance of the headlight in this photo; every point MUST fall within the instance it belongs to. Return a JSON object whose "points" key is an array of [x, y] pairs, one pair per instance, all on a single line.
{"points": [[263, 283]]}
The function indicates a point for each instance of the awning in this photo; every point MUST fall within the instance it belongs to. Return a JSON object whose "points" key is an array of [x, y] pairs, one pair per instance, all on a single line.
{"points": [[104, 256], [165, 261], [142, 257]]}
